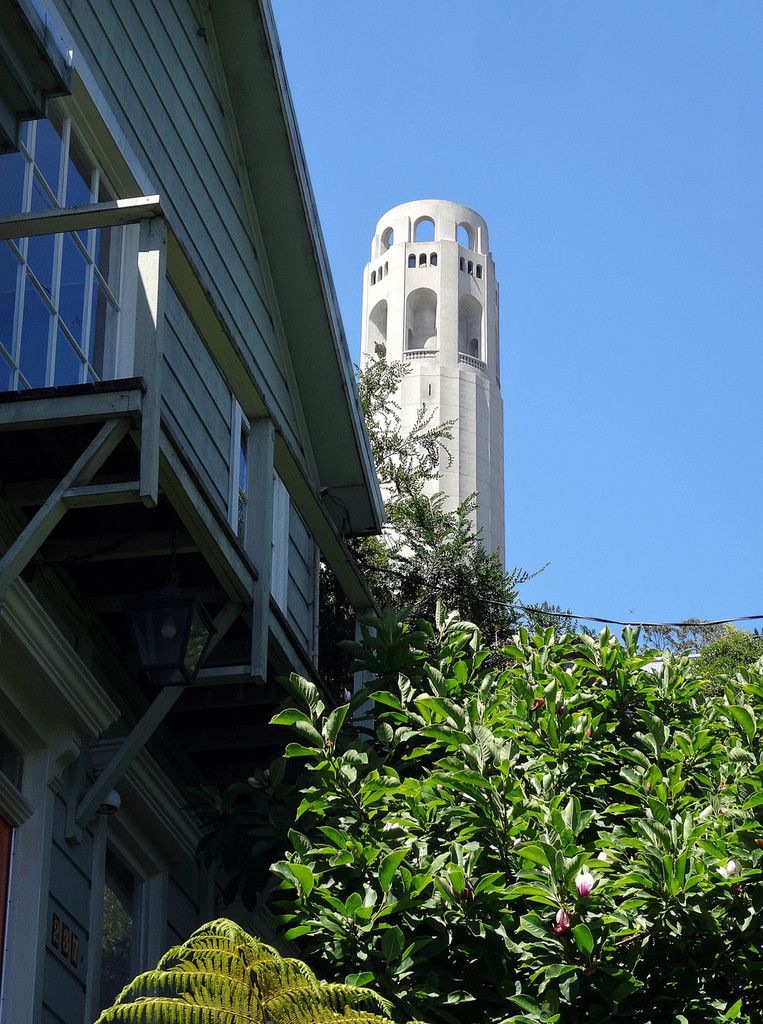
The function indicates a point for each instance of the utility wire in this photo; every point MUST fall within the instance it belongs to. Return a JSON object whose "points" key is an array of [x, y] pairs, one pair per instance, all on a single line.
{"points": [[620, 622]]}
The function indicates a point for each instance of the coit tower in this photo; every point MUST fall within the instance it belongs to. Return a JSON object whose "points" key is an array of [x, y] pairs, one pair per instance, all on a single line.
{"points": [[430, 298]]}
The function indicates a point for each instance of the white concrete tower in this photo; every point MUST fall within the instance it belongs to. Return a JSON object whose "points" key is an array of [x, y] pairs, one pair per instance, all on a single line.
{"points": [[430, 298]]}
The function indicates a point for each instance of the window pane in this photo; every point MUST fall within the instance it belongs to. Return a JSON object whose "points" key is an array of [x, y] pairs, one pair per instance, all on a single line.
{"points": [[68, 364], [79, 175], [9, 272], [40, 259], [34, 337], [119, 929], [102, 325], [107, 245], [12, 169], [71, 297], [47, 153], [41, 199]]}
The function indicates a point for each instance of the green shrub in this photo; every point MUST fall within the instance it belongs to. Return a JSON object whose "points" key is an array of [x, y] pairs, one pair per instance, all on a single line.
{"points": [[559, 836]]}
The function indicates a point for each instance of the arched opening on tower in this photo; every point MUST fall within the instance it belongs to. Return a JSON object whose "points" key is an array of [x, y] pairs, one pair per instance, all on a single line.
{"points": [[465, 236], [423, 230], [421, 316], [377, 329], [387, 239], [470, 327]]}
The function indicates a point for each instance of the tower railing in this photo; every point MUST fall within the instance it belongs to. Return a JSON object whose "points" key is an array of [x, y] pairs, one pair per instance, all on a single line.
{"points": [[420, 353], [478, 364]]}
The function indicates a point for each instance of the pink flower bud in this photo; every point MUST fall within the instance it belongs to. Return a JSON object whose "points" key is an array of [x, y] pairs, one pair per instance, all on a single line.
{"points": [[561, 922], [729, 868], [584, 881]]}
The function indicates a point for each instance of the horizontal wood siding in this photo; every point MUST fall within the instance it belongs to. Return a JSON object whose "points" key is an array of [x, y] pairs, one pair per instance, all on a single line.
{"points": [[154, 66], [301, 585], [182, 903], [196, 401], [63, 991]]}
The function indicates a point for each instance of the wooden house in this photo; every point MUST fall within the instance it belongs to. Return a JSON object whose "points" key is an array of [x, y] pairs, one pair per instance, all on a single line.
{"points": [[177, 408]]}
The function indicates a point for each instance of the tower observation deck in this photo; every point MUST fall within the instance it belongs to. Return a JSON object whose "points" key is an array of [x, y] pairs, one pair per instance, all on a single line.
{"points": [[430, 298]]}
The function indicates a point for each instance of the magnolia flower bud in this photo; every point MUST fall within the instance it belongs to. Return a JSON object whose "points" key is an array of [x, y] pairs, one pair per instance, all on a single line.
{"points": [[729, 868], [584, 882], [759, 843], [602, 855], [538, 703], [346, 696], [561, 922]]}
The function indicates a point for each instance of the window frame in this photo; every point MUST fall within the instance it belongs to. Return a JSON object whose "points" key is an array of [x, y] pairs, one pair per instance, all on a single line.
{"points": [[137, 855], [240, 427], [116, 358]]}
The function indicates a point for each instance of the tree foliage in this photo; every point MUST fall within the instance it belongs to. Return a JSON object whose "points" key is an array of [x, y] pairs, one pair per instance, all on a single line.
{"points": [[426, 552], [222, 975], [564, 837], [735, 650]]}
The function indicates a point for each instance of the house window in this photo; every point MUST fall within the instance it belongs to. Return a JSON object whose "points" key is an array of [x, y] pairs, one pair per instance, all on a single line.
{"points": [[239, 473], [120, 938], [59, 304]]}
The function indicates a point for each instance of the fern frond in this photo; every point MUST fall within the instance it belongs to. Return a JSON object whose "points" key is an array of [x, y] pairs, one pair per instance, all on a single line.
{"points": [[173, 1011], [223, 975]]}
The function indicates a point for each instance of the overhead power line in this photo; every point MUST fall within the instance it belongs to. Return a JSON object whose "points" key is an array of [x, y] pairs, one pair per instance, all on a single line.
{"points": [[619, 622]]}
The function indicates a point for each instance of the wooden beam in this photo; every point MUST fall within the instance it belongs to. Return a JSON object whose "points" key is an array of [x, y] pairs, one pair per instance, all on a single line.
{"points": [[72, 406], [149, 334], [53, 509], [145, 728], [79, 218], [96, 495], [113, 547], [133, 743], [28, 493], [224, 675]]}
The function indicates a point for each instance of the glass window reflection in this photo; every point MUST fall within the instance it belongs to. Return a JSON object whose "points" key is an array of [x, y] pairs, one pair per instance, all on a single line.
{"points": [[67, 282], [33, 361]]}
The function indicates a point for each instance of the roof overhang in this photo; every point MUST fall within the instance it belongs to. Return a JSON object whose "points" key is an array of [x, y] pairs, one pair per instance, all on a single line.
{"points": [[296, 253], [33, 67]]}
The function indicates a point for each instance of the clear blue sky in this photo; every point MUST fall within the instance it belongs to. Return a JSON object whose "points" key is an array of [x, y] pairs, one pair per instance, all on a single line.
{"points": [[616, 151]]}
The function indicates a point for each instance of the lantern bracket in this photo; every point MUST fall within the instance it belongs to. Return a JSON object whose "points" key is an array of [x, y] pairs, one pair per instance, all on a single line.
{"points": [[82, 812]]}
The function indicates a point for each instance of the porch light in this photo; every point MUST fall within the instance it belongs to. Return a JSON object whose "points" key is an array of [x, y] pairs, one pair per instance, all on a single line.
{"points": [[171, 630]]}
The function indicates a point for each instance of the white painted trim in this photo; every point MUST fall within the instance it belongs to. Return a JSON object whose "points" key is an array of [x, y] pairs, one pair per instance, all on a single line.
{"points": [[27, 921], [13, 807], [23, 616], [152, 794], [80, 218], [279, 566]]}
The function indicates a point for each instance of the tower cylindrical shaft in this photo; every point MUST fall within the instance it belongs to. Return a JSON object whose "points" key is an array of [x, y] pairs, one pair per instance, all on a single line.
{"points": [[430, 299]]}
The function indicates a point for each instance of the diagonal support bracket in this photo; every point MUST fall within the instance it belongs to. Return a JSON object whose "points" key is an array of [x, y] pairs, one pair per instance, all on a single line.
{"points": [[47, 517], [139, 736]]}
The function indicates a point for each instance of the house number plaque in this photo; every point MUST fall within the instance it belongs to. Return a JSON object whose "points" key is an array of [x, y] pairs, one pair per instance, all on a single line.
{"points": [[65, 940]]}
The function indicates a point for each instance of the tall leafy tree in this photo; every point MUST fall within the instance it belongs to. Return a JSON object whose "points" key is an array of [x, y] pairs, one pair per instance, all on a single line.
{"points": [[558, 836], [426, 552]]}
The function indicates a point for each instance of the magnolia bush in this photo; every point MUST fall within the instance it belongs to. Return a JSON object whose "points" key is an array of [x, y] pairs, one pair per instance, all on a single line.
{"points": [[555, 834]]}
